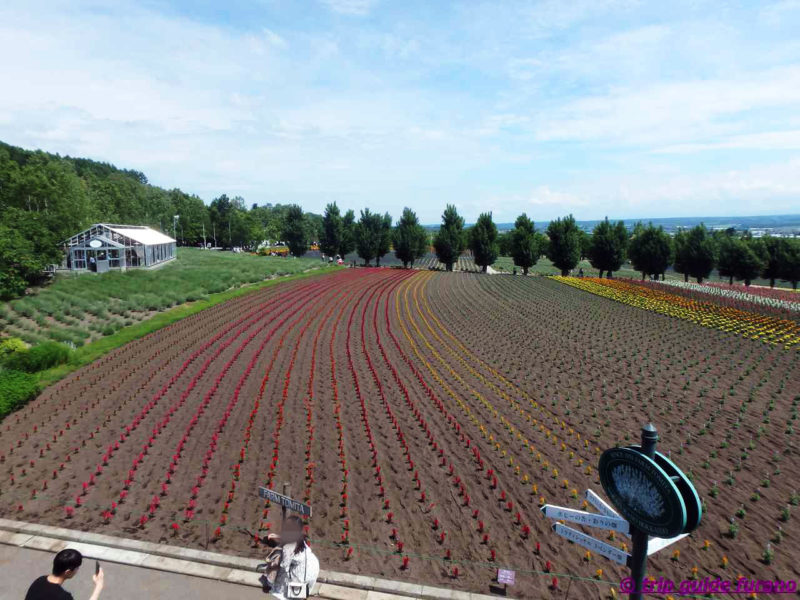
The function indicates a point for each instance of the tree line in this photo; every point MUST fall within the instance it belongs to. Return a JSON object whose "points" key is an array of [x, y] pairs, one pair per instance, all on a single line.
{"points": [[46, 198]]}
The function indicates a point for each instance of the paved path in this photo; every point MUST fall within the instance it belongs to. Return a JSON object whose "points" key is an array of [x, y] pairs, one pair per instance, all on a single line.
{"points": [[139, 569], [20, 566]]}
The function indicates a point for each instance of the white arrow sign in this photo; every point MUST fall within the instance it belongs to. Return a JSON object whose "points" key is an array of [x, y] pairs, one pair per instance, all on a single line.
{"points": [[655, 544], [603, 506], [595, 545], [585, 518], [600, 504]]}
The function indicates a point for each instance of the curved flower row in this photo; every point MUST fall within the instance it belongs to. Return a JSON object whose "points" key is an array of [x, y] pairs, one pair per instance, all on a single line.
{"points": [[747, 324], [733, 295]]}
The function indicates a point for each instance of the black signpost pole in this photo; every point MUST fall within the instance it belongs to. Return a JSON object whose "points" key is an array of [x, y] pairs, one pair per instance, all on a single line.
{"points": [[638, 560]]}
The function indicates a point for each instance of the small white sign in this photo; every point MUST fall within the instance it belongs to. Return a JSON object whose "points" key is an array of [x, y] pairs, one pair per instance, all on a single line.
{"points": [[600, 504], [506, 576], [595, 545], [585, 518], [655, 544], [603, 506]]}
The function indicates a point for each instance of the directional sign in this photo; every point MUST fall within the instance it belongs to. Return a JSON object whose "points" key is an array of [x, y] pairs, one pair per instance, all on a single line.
{"points": [[656, 544], [585, 518], [601, 504], [642, 492], [595, 545], [277, 498]]}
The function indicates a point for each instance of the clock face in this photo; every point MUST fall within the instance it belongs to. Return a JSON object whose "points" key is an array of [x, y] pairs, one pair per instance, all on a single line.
{"points": [[642, 492], [95, 244]]}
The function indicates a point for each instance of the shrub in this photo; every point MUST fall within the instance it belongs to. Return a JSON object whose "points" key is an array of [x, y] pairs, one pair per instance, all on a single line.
{"points": [[11, 345], [16, 388], [38, 358]]}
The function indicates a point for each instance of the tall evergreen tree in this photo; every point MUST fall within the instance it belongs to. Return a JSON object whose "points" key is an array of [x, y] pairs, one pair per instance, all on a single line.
{"points": [[790, 264], [384, 238], [564, 244], [348, 241], [295, 231], [728, 251], [450, 241], [410, 239], [650, 250], [695, 253], [608, 246], [483, 241], [369, 233], [773, 252], [524, 244], [331, 238]]}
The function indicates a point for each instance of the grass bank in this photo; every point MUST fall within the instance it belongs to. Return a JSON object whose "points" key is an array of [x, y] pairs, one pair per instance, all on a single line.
{"points": [[78, 309]]}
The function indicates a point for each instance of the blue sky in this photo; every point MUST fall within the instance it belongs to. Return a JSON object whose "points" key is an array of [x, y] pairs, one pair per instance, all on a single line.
{"points": [[596, 107]]}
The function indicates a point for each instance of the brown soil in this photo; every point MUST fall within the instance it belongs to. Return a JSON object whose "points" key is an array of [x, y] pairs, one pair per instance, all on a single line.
{"points": [[385, 385]]}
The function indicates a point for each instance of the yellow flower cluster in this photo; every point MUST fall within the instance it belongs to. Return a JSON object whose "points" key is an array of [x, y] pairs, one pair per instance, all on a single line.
{"points": [[768, 329]]}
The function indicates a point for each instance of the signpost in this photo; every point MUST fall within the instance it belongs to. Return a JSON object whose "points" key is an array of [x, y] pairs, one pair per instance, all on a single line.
{"points": [[285, 502], [652, 494], [650, 497]]}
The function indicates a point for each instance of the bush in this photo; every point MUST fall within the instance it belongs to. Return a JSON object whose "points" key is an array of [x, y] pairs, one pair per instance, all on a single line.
{"points": [[16, 389], [38, 358], [11, 345]]}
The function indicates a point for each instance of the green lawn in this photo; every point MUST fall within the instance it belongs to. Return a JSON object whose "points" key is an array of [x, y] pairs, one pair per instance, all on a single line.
{"points": [[78, 309]]}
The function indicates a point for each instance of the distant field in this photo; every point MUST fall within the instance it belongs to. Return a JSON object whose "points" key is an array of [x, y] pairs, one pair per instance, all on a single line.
{"points": [[77, 309]]}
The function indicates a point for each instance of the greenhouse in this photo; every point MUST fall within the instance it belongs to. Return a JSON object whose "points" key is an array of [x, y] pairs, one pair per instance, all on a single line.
{"points": [[103, 247]]}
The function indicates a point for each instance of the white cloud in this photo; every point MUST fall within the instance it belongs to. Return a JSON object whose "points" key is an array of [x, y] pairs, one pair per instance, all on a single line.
{"points": [[350, 7], [590, 107], [770, 140]]}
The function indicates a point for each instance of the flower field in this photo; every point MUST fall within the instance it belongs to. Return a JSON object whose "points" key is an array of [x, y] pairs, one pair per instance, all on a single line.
{"points": [[731, 314], [425, 417]]}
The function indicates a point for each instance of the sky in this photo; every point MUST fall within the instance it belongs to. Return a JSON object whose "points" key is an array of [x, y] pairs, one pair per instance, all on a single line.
{"points": [[598, 108]]}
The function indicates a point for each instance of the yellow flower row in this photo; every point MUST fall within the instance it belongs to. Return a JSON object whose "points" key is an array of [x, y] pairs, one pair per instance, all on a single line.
{"points": [[772, 330]]}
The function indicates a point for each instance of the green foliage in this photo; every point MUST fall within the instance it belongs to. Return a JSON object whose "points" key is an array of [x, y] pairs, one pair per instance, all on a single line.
{"points": [[773, 254], [21, 260], [739, 258], [450, 241], [483, 241], [331, 239], [524, 246], [348, 241], [295, 231], [410, 239], [11, 345], [384, 238], [695, 253], [650, 250], [16, 388], [373, 236], [790, 269], [564, 245], [608, 245], [78, 304], [38, 358]]}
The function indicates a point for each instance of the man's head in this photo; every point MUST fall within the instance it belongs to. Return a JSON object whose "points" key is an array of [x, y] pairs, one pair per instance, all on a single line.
{"points": [[66, 563]]}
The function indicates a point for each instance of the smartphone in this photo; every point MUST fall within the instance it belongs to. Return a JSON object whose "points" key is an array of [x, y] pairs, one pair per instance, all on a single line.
{"points": [[97, 567]]}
